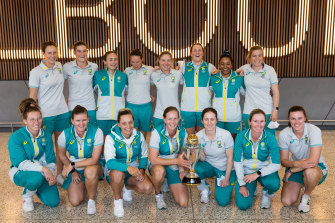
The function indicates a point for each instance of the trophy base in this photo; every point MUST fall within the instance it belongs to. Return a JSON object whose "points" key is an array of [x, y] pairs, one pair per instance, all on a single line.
{"points": [[191, 181]]}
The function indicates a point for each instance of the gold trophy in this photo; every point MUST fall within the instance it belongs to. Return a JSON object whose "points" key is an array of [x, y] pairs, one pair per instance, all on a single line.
{"points": [[191, 152]]}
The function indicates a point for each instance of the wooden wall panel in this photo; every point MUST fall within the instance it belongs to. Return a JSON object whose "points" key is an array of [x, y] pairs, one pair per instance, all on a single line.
{"points": [[173, 25]]}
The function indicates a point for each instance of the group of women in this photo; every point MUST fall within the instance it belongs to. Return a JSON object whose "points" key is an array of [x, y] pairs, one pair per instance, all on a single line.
{"points": [[107, 135]]}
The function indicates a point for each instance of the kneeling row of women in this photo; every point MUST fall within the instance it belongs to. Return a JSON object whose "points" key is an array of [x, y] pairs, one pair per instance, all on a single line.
{"points": [[255, 156]]}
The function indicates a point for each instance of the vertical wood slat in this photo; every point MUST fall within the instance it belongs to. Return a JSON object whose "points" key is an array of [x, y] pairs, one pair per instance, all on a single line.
{"points": [[174, 24]]}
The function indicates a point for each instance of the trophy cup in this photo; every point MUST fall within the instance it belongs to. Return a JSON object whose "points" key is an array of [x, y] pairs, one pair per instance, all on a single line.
{"points": [[192, 151]]}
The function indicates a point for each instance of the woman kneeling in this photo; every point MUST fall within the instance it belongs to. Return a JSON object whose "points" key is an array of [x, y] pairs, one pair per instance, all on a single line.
{"points": [[216, 159], [166, 157], [31, 153], [306, 168], [123, 147], [83, 142], [256, 158]]}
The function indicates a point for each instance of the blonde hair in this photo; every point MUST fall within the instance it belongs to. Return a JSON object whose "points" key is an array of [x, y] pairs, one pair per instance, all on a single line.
{"points": [[252, 49]]}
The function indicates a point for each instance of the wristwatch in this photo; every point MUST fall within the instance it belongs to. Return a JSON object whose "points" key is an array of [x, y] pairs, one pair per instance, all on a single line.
{"points": [[259, 173], [276, 108], [73, 164]]}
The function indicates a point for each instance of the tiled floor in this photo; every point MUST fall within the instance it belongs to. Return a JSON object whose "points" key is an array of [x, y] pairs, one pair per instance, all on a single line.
{"points": [[143, 207]]}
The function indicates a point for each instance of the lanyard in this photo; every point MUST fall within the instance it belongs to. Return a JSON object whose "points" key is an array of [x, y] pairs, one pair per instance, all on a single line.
{"points": [[81, 143]]}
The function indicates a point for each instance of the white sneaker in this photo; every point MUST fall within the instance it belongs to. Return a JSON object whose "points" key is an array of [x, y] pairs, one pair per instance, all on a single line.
{"points": [[28, 204], [127, 196], [204, 198], [160, 203], [165, 186], [60, 179], [304, 204], [91, 209], [118, 208], [266, 200]]}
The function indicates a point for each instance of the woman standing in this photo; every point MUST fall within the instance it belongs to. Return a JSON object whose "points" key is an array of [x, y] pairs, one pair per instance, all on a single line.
{"points": [[167, 81], [227, 86], [259, 80], [126, 155], [82, 170], [79, 74], [110, 84], [216, 159], [31, 153], [138, 95], [46, 83], [167, 160], [306, 168], [256, 158], [196, 94]]}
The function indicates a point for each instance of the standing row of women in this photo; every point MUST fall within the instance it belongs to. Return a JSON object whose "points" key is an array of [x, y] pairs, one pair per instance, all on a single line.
{"points": [[255, 156]]}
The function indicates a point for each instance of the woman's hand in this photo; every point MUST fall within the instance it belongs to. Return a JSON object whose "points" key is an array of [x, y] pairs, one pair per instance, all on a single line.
{"points": [[181, 174], [76, 178], [287, 175], [305, 163], [156, 68], [274, 115], [244, 191], [250, 177], [182, 162], [66, 170], [224, 182], [49, 176], [215, 71], [240, 72], [135, 172]]}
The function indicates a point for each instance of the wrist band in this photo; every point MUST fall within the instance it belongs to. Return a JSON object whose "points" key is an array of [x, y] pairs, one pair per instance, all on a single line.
{"points": [[73, 169], [73, 164]]}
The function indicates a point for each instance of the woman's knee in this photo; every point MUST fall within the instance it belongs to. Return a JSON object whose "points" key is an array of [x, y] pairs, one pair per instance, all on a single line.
{"points": [[183, 201], [288, 201], [75, 200], [158, 173], [34, 181], [52, 201], [243, 205], [222, 200], [145, 187], [91, 173], [116, 176], [312, 174]]}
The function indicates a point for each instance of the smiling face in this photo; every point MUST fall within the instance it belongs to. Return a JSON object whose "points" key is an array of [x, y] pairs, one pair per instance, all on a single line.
{"points": [[80, 122], [50, 56], [256, 58], [225, 66], [297, 120], [33, 122], [136, 62], [165, 62], [126, 125], [81, 53], [257, 123], [111, 62], [171, 120], [197, 54], [209, 120]]}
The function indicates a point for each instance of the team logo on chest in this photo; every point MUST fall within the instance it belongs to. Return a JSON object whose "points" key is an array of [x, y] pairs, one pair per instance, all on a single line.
{"points": [[25, 142], [233, 81], [103, 78], [263, 146], [306, 140], [119, 79], [145, 72], [90, 71], [59, 70], [75, 72], [72, 142], [43, 142], [263, 74], [89, 142], [219, 144], [173, 79]]}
